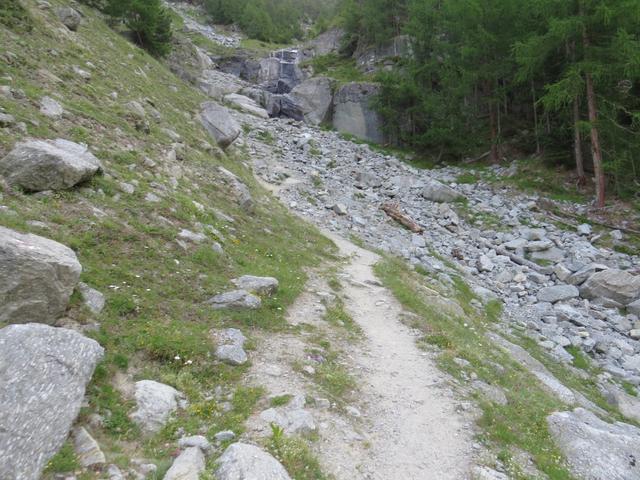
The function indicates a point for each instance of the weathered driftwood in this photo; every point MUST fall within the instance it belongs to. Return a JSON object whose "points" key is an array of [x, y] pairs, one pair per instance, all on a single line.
{"points": [[393, 210]]}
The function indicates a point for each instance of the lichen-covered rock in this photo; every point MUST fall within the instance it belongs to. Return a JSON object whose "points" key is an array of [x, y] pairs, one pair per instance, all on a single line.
{"points": [[43, 375], [38, 277], [217, 120], [241, 461], [37, 165]]}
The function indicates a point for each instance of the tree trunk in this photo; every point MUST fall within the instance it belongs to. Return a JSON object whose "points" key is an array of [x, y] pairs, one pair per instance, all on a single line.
{"points": [[535, 117], [596, 151], [577, 143], [494, 132]]}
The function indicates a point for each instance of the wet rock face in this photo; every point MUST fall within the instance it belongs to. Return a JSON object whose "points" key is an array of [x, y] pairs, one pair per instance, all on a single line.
{"points": [[39, 276], [352, 112], [37, 165], [43, 375]]}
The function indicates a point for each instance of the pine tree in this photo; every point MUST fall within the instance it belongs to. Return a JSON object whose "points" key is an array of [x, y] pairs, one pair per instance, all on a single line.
{"points": [[148, 21]]}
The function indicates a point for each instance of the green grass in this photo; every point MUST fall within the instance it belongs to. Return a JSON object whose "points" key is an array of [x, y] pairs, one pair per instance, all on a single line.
{"points": [[342, 69], [155, 289], [280, 401], [295, 456], [64, 461], [337, 316], [15, 17]]}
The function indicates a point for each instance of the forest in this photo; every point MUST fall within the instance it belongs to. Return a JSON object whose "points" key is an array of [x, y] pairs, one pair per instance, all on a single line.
{"points": [[555, 79]]}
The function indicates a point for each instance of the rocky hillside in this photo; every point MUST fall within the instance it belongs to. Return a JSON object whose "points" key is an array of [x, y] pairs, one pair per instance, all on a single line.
{"points": [[192, 286]]}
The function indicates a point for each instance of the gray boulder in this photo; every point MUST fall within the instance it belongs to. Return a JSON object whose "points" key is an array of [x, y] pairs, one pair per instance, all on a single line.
{"points": [[188, 466], [43, 375], [612, 284], [352, 112], [596, 449], [217, 120], [313, 98], [557, 293], [37, 165], [69, 17], [229, 346], [241, 461], [634, 308], [235, 299], [39, 276], [155, 403], [438, 192], [259, 285], [246, 104]]}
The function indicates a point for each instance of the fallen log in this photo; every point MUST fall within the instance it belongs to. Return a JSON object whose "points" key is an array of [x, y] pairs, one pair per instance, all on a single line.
{"points": [[393, 210]]}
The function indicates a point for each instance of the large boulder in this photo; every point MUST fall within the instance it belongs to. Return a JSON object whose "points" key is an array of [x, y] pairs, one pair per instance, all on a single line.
{"points": [[439, 192], [37, 165], [155, 403], [188, 466], [246, 104], [353, 114], [38, 277], [557, 293], [69, 17], [241, 461], [314, 97], [217, 120], [612, 284], [229, 346], [596, 449], [43, 375]]}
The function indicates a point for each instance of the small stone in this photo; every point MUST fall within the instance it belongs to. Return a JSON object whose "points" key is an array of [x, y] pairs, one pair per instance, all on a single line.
{"points": [[584, 229], [87, 449], [196, 441], [93, 299], [6, 120], [224, 436], [194, 237], [339, 208], [50, 108], [259, 285], [235, 299], [188, 466]]}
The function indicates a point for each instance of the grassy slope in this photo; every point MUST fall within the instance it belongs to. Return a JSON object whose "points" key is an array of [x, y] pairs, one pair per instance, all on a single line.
{"points": [[155, 289]]}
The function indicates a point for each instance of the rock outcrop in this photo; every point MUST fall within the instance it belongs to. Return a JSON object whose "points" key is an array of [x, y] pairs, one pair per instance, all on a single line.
{"points": [[36, 165], [313, 99], [39, 276], [43, 375], [219, 123], [596, 449], [353, 114]]}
